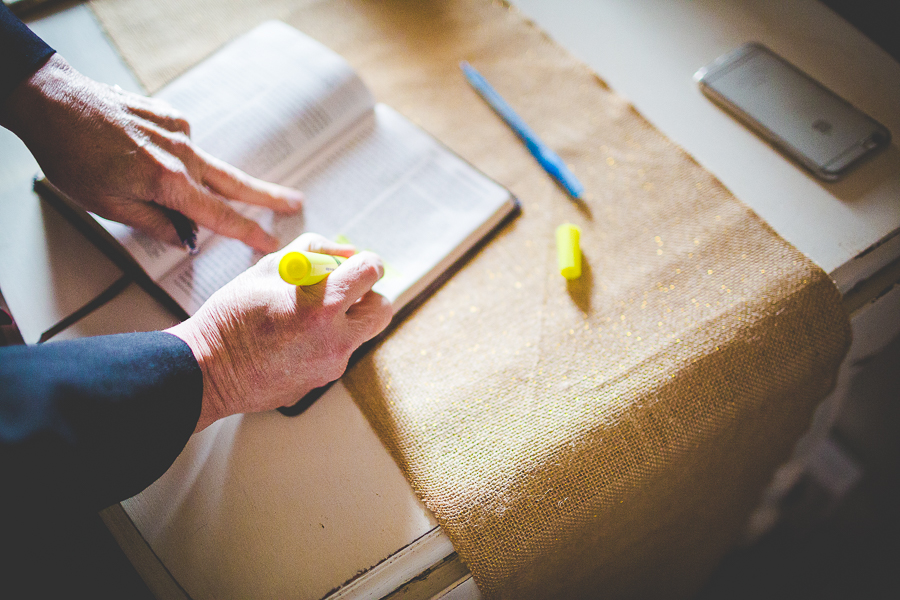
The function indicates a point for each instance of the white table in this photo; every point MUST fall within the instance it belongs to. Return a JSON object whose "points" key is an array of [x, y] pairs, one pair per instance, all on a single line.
{"points": [[264, 505]]}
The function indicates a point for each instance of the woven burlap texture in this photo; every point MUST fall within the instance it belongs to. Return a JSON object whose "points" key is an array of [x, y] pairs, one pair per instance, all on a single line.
{"points": [[602, 437]]}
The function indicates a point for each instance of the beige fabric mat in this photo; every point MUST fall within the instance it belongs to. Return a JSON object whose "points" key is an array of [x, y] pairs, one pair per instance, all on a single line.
{"points": [[604, 437]]}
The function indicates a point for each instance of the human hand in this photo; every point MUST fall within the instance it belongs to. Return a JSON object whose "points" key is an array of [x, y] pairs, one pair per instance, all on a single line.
{"points": [[263, 343], [123, 156]]}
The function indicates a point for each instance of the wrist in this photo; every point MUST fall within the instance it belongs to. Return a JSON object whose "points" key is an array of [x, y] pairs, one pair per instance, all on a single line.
{"points": [[212, 406], [28, 105]]}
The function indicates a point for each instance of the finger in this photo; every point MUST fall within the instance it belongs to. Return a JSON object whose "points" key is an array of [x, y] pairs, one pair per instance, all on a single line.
{"points": [[211, 211], [178, 151], [313, 242], [234, 184], [164, 116], [368, 317], [147, 218], [353, 279], [155, 110], [173, 147]]}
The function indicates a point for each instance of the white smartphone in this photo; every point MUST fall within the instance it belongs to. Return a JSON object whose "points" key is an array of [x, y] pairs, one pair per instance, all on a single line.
{"points": [[793, 111]]}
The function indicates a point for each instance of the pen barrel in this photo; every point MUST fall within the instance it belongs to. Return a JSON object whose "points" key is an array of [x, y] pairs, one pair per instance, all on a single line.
{"points": [[307, 268], [549, 160]]}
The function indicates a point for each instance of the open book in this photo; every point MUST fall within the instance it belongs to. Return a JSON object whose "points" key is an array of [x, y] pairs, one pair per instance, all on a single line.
{"points": [[286, 109]]}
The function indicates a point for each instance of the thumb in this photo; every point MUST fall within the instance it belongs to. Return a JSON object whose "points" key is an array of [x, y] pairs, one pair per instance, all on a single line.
{"points": [[156, 221]]}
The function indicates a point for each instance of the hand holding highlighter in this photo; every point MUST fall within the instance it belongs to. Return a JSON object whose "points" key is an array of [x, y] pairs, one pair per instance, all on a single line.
{"points": [[307, 268]]}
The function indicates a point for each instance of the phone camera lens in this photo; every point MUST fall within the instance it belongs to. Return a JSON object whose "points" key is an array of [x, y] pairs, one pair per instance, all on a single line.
{"points": [[874, 140]]}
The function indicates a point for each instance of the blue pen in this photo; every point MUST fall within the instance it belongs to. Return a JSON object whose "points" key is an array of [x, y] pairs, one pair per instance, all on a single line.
{"points": [[551, 162]]}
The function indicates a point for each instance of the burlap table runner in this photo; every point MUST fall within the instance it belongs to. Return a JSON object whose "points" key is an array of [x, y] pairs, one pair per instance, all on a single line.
{"points": [[604, 437]]}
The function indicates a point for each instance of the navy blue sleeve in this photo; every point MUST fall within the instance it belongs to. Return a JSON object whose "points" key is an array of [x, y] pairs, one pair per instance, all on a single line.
{"points": [[21, 52], [93, 421]]}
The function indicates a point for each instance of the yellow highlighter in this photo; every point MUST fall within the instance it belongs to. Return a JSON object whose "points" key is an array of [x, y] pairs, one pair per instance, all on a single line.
{"points": [[568, 251], [307, 268]]}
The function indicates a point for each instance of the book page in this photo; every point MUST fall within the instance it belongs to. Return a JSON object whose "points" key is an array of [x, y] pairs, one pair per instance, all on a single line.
{"points": [[385, 186], [264, 103]]}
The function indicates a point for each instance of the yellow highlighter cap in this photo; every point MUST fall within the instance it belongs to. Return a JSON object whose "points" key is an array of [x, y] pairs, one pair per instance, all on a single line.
{"points": [[294, 268], [568, 251]]}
